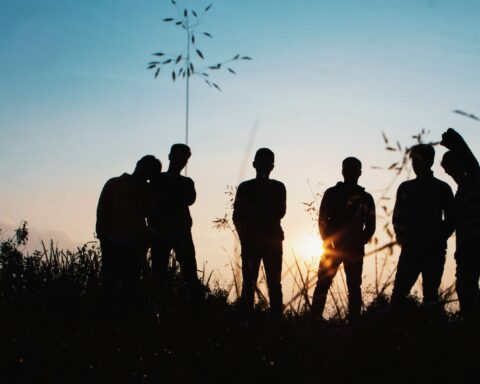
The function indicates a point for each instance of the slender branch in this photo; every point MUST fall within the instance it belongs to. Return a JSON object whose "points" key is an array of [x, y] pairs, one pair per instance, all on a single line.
{"points": [[188, 85]]}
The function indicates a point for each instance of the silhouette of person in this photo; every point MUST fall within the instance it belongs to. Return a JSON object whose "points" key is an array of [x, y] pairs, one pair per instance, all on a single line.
{"points": [[259, 206], [346, 222], [422, 224], [460, 163], [122, 231], [171, 222]]}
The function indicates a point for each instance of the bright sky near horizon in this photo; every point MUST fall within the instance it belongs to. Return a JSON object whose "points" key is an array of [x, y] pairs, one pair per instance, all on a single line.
{"points": [[77, 105]]}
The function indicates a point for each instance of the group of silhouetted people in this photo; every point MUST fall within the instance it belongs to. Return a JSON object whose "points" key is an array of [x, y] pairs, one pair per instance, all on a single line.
{"points": [[147, 209], [150, 209]]}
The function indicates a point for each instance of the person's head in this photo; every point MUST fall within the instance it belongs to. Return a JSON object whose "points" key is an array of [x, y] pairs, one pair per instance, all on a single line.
{"points": [[453, 166], [264, 161], [147, 167], [422, 156], [351, 169], [179, 155]]}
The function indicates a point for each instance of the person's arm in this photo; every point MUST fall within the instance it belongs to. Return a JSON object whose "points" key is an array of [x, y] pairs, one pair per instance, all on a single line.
{"points": [[324, 216], [103, 210], [455, 142], [398, 215], [448, 225], [190, 192], [239, 209], [282, 199], [370, 219], [151, 207]]}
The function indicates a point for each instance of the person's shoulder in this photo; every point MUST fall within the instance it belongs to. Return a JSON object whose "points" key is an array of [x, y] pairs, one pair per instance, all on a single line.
{"points": [[407, 183], [177, 178], [368, 196], [117, 180], [277, 183], [364, 192], [405, 187], [248, 187], [246, 183], [186, 179], [245, 187], [441, 184], [334, 188]]}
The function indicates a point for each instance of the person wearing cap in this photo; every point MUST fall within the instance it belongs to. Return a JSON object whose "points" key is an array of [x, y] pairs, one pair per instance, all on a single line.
{"points": [[122, 230], [259, 206], [346, 223], [461, 164], [422, 224], [171, 223]]}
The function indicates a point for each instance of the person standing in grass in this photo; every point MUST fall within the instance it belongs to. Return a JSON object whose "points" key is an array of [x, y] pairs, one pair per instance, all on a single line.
{"points": [[422, 224], [259, 206], [346, 222], [122, 230], [460, 163], [171, 223]]}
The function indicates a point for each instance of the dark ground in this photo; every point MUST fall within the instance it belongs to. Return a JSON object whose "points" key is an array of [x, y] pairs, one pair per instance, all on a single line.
{"points": [[55, 327]]}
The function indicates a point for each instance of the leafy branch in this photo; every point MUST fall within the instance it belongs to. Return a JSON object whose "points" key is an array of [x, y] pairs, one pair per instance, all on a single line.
{"points": [[182, 65]]}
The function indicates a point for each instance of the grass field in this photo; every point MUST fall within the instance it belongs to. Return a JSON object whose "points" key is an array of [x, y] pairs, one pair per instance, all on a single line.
{"points": [[56, 327]]}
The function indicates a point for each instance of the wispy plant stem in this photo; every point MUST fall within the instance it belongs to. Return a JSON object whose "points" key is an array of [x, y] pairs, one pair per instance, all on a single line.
{"points": [[187, 69]]}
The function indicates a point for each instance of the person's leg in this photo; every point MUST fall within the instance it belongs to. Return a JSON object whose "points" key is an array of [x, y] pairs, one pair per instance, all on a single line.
{"points": [[408, 270], [432, 272], [131, 261], [185, 254], [272, 260], [110, 273], [135, 256], [467, 274], [327, 269], [353, 264], [160, 255], [250, 267], [122, 296]]}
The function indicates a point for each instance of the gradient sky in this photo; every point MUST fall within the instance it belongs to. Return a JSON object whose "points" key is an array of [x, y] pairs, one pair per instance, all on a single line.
{"points": [[77, 105]]}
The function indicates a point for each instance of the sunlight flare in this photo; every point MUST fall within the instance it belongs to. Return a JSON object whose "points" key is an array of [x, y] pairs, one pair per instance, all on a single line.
{"points": [[309, 247]]}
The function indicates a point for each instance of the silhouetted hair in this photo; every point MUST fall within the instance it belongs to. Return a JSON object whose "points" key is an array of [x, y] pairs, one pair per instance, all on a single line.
{"points": [[352, 162], [149, 163], [180, 149], [451, 159], [264, 155], [425, 151]]}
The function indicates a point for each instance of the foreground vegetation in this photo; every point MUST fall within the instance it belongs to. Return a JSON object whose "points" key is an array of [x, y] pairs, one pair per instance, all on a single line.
{"points": [[55, 327]]}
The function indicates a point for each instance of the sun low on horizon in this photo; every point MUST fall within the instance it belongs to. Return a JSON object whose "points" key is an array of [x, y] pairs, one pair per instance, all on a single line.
{"points": [[308, 248]]}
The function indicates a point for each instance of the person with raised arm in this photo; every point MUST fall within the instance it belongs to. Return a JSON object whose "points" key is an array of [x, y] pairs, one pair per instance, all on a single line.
{"points": [[461, 164]]}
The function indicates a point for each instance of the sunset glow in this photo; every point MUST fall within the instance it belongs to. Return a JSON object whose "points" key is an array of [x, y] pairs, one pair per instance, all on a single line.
{"points": [[371, 67], [309, 248]]}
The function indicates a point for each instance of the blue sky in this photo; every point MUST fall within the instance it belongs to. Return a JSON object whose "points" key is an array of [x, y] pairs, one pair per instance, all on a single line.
{"points": [[78, 106]]}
